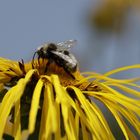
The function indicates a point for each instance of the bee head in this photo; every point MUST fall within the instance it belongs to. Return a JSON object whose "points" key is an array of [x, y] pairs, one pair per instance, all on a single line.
{"points": [[51, 47], [46, 48]]}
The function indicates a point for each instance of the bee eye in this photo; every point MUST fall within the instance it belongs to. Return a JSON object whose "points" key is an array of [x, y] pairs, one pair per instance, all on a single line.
{"points": [[66, 52]]}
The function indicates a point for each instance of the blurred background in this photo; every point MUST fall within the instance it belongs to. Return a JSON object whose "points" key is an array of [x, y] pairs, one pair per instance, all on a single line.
{"points": [[108, 31]]}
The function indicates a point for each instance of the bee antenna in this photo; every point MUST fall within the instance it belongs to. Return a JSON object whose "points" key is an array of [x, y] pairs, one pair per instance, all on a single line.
{"points": [[33, 59]]}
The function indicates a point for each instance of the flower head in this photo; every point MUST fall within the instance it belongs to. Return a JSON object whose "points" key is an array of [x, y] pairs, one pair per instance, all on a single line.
{"points": [[55, 105]]}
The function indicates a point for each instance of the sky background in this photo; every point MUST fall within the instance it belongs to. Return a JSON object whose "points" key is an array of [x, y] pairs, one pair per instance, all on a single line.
{"points": [[25, 25]]}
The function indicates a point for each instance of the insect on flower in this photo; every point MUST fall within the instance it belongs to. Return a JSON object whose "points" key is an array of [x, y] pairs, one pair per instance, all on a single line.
{"points": [[58, 53]]}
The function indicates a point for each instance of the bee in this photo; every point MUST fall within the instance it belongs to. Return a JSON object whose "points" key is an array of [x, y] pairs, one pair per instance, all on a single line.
{"points": [[58, 53]]}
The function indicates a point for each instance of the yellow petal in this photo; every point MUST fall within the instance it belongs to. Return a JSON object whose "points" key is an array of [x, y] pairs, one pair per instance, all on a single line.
{"points": [[17, 125], [42, 132], [8, 101], [8, 127], [137, 66], [11, 97], [52, 118], [96, 125], [35, 106]]}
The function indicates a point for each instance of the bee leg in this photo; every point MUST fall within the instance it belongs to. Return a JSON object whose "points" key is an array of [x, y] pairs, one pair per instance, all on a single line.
{"points": [[22, 66], [69, 73], [47, 65], [33, 60], [38, 60], [32, 65]]}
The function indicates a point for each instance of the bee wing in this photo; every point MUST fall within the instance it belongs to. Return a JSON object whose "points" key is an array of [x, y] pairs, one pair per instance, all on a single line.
{"points": [[68, 58], [66, 45]]}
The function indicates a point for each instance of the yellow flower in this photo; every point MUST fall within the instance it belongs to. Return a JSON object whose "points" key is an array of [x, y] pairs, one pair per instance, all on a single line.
{"points": [[54, 105], [111, 14]]}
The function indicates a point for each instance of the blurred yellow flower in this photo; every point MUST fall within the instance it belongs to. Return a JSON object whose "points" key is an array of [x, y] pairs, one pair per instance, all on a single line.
{"points": [[111, 14], [55, 106]]}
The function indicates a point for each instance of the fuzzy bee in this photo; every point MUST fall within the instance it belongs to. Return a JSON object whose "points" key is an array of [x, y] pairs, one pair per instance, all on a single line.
{"points": [[58, 53]]}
